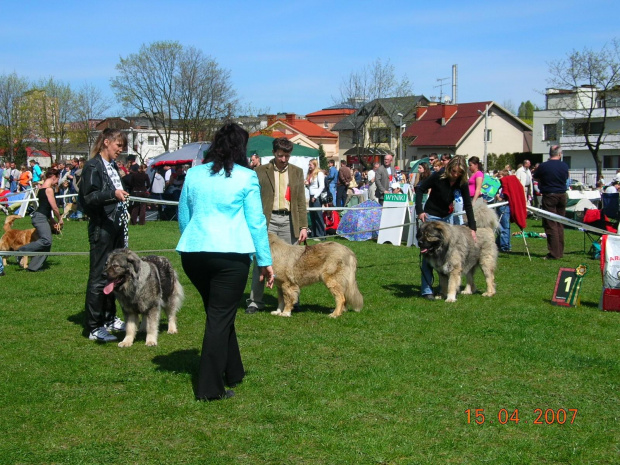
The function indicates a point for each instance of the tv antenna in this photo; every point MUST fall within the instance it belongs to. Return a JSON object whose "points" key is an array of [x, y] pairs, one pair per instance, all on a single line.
{"points": [[440, 85]]}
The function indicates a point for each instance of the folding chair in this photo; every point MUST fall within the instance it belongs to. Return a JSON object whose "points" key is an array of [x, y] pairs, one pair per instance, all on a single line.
{"points": [[598, 219], [610, 206]]}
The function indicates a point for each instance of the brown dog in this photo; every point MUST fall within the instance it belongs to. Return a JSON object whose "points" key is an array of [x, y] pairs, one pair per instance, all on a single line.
{"points": [[13, 239], [296, 267]]}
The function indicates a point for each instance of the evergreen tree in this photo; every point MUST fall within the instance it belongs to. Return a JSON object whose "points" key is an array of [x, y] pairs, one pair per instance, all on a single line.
{"points": [[322, 158]]}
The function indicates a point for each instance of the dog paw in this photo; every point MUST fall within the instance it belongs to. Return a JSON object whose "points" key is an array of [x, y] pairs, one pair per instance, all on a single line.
{"points": [[173, 331], [466, 292], [125, 343], [276, 312], [151, 343], [333, 315], [488, 294], [287, 314], [450, 299]]}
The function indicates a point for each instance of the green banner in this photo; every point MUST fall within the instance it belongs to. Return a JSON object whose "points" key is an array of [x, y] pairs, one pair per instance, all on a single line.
{"points": [[395, 198]]}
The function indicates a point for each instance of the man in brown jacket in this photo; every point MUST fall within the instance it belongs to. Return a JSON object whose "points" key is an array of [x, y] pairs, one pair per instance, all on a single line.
{"points": [[344, 178], [284, 205]]}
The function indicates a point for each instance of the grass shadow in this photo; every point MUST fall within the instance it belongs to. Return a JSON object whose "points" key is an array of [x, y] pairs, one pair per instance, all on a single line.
{"points": [[180, 361], [402, 291]]}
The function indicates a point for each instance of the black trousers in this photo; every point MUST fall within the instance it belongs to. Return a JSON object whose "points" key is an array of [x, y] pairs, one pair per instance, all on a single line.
{"points": [[341, 195], [220, 278], [103, 239]]}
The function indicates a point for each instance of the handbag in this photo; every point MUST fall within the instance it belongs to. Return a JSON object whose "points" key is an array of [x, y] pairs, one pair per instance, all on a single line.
{"points": [[326, 197], [352, 184]]}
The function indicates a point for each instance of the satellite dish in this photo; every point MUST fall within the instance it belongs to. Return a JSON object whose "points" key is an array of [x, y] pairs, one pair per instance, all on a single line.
{"points": [[447, 99]]}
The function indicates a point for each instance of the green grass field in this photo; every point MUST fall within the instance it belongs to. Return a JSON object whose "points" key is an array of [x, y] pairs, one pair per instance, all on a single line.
{"points": [[389, 385]]}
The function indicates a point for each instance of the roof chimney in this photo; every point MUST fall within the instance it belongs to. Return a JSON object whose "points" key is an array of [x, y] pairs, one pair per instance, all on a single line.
{"points": [[271, 119], [419, 112], [290, 118], [447, 112]]}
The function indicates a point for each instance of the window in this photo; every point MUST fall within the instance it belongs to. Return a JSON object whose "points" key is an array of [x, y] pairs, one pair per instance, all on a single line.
{"points": [[550, 132], [325, 124], [611, 161], [153, 140], [567, 159], [593, 127], [380, 136]]}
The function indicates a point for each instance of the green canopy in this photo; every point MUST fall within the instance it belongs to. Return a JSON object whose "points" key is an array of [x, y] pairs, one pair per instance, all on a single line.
{"points": [[414, 164], [263, 146]]}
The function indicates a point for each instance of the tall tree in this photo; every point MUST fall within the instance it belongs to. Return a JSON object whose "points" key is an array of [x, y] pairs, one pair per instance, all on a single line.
{"points": [[90, 104], [175, 88], [13, 125], [600, 70], [204, 95], [526, 112], [51, 108], [373, 81]]}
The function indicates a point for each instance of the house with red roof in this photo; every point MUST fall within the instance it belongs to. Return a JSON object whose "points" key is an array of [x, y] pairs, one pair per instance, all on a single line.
{"points": [[458, 129], [327, 118], [301, 131], [374, 129]]}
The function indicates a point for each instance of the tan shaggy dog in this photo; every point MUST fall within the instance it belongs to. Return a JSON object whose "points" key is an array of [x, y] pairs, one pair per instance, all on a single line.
{"points": [[13, 239], [296, 267], [452, 252]]}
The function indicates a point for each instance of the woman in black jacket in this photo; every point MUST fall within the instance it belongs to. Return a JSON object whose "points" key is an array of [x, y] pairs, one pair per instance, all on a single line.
{"points": [[443, 185]]}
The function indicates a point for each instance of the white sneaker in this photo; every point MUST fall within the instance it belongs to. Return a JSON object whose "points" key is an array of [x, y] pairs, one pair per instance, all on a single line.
{"points": [[116, 325], [101, 335]]}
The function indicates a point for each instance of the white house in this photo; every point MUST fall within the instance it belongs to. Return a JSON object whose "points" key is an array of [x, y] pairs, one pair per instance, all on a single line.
{"points": [[571, 113]]}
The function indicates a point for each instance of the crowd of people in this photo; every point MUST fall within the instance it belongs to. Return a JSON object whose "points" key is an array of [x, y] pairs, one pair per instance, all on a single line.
{"points": [[246, 200]]}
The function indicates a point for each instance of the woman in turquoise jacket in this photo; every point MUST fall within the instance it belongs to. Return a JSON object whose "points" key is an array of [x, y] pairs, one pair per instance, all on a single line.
{"points": [[222, 227]]}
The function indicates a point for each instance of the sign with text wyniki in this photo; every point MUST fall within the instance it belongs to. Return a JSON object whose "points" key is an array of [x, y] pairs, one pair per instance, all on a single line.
{"points": [[395, 208]]}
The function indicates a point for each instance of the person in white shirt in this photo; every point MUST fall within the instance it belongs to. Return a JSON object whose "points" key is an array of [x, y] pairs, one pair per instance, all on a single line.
{"points": [[315, 182], [371, 182], [524, 175], [167, 174]]}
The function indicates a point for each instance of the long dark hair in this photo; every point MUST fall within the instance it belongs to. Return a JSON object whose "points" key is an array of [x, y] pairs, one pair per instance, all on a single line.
{"points": [[427, 171], [229, 147]]}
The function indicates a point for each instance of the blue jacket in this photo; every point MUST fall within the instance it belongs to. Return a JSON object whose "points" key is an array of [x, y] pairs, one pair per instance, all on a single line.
{"points": [[332, 176], [220, 214]]}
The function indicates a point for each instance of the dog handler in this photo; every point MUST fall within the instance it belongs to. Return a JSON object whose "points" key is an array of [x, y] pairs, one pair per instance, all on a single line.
{"points": [[222, 225], [104, 200], [41, 220], [437, 206]]}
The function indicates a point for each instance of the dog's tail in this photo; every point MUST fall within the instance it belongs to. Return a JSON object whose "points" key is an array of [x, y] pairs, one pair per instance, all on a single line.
{"points": [[8, 223], [485, 216], [352, 294]]}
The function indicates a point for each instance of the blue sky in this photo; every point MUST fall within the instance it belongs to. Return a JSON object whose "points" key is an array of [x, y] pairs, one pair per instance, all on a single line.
{"points": [[293, 56]]}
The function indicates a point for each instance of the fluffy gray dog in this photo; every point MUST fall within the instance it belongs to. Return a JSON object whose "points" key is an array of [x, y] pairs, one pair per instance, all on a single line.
{"points": [[143, 286]]}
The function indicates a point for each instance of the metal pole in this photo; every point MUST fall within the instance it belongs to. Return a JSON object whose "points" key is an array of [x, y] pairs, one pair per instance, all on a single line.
{"points": [[400, 142], [486, 136]]}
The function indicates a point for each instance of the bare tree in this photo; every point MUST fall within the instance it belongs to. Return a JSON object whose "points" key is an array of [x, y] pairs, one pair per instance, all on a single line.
{"points": [[362, 89], [165, 82], [13, 127], [204, 95], [50, 108], [600, 71], [510, 106], [146, 83], [90, 104], [373, 81]]}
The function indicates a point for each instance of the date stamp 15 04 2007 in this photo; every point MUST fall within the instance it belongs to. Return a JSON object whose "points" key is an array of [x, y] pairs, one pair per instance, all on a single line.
{"points": [[538, 416]]}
